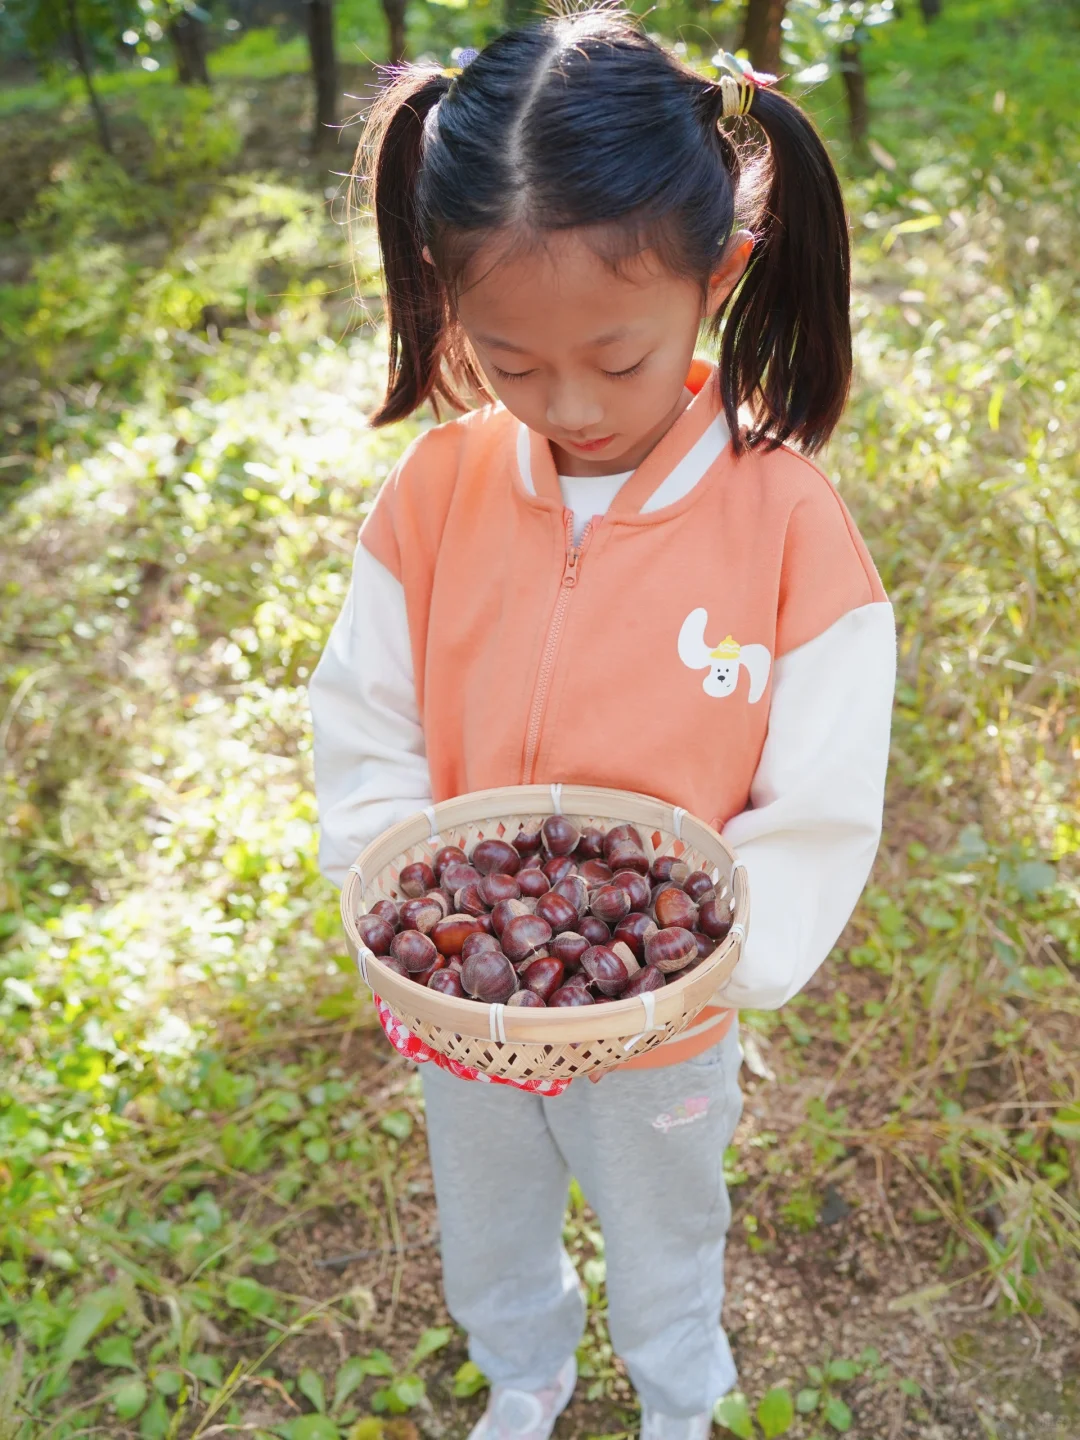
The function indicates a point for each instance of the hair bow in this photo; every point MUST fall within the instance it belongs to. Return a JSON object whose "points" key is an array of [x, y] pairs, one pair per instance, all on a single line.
{"points": [[738, 83], [465, 57]]}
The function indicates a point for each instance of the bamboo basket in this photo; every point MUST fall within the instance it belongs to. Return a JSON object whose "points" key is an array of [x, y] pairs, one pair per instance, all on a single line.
{"points": [[519, 1043]]}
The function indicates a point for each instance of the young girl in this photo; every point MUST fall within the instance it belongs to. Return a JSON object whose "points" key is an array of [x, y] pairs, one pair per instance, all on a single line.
{"points": [[569, 583]]}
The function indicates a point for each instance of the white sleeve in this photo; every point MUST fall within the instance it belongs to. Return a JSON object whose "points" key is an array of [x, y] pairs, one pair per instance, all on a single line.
{"points": [[809, 840], [371, 769]]}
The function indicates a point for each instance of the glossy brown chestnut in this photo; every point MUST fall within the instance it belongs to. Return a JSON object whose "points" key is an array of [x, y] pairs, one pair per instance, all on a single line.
{"points": [[452, 931], [532, 882], [469, 901], [416, 879], [625, 855], [448, 855], [397, 966], [544, 976], [626, 955], [559, 913], [667, 867], [495, 857], [705, 946], [595, 873], [528, 998], [594, 930], [499, 886], [670, 950], [606, 970], [489, 976], [714, 918], [571, 995], [376, 934], [558, 868], [505, 911], [623, 832], [633, 930], [485, 924], [457, 874], [698, 885], [447, 982], [527, 842], [569, 948], [387, 910], [591, 844], [648, 979], [424, 977], [416, 952], [560, 835], [474, 944], [609, 903], [636, 886], [438, 897], [574, 889], [674, 907], [420, 914], [524, 936], [578, 978]]}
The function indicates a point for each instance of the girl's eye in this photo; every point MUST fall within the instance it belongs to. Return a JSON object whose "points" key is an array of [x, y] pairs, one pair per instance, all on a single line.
{"points": [[624, 374], [511, 374]]}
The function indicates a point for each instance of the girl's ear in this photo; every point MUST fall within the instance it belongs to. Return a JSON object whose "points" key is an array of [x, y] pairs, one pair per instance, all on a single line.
{"points": [[729, 271]]}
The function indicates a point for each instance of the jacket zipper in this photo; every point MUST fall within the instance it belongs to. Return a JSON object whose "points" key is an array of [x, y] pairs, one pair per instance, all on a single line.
{"points": [[571, 571]]}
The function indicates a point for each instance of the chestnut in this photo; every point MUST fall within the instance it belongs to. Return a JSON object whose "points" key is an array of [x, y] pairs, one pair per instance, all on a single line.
{"points": [[648, 979], [595, 872], [557, 911], [532, 882], [484, 921], [698, 885], [397, 966], [670, 950], [524, 936], [591, 844], [636, 886], [574, 889], [610, 903], [607, 971], [626, 955], [388, 911], [569, 948], [571, 995], [489, 976], [423, 977], [452, 931], [528, 998], [469, 901], [558, 868], [457, 874], [437, 897], [495, 857], [674, 907], [578, 978], [623, 832], [705, 945], [714, 918], [376, 934], [420, 914], [594, 930], [416, 952], [416, 879], [667, 867], [626, 855], [498, 886], [560, 835], [527, 840], [505, 911], [633, 930], [475, 943], [447, 982], [448, 855], [545, 976]]}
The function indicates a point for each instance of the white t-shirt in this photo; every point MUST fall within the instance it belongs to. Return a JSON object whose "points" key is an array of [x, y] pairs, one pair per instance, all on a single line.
{"points": [[589, 495]]}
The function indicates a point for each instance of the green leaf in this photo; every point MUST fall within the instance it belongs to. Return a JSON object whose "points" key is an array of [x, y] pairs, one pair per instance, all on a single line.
{"points": [[154, 1424], [398, 1123], [310, 1385], [206, 1368], [351, 1375], [313, 1427], [909, 227], [168, 1382], [129, 1398], [115, 1350], [263, 1254], [843, 1370], [247, 1294], [733, 1413], [806, 1402], [776, 1413], [469, 1380], [407, 1391], [837, 1414], [96, 1311], [379, 1363], [317, 1150], [429, 1342]]}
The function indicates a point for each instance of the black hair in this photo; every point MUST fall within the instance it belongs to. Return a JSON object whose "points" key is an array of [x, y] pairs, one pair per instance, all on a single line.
{"points": [[583, 121]]}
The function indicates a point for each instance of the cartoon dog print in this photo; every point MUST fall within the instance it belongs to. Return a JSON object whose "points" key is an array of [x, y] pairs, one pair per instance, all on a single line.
{"points": [[722, 663]]}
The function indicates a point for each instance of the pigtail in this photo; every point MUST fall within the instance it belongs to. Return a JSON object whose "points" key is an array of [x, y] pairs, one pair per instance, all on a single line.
{"points": [[423, 359], [786, 348]]}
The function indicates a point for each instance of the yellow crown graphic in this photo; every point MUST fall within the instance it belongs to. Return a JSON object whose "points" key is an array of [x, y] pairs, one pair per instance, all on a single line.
{"points": [[727, 650]]}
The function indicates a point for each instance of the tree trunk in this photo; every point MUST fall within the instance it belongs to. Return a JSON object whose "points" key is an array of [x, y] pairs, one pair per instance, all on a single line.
{"points": [[854, 78], [394, 10], [82, 60], [761, 34], [188, 37], [320, 18], [931, 9]]}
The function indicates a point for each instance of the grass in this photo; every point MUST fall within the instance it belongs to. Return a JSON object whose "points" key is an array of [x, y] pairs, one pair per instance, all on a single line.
{"points": [[198, 1119]]}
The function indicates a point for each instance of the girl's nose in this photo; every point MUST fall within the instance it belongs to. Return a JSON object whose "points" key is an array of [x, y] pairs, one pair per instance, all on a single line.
{"points": [[571, 410]]}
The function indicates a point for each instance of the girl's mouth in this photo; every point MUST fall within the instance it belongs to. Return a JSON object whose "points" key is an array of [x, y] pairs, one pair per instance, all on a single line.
{"points": [[589, 445]]}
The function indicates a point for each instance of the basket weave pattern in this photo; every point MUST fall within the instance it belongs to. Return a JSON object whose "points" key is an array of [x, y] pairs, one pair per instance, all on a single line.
{"points": [[558, 1044]]}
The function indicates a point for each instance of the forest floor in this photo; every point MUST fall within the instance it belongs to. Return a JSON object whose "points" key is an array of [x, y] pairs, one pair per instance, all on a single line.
{"points": [[215, 1207]]}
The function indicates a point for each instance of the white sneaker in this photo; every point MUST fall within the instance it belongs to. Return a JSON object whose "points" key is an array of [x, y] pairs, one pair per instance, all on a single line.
{"points": [[526, 1414], [655, 1426]]}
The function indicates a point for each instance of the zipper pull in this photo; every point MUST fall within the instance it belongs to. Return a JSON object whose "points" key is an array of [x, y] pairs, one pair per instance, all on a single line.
{"points": [[569, 578]]}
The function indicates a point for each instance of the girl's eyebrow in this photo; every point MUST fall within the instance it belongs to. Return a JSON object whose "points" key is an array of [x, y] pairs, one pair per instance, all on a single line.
{"points": [[608, 338]]}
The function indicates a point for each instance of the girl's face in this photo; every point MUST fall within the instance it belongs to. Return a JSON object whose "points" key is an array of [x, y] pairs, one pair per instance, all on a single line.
{"points": [[596, 360]]}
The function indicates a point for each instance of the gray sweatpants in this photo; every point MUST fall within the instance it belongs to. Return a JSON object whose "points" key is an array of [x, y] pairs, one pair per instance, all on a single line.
{"points": [[647, 1148]]}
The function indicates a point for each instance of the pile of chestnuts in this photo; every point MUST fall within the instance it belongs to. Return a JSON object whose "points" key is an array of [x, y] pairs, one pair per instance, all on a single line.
{"points": [[559, 916]]}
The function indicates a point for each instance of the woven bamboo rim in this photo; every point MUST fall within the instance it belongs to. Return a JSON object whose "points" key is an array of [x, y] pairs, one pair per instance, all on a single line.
{"points": [[522, 1043]]}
